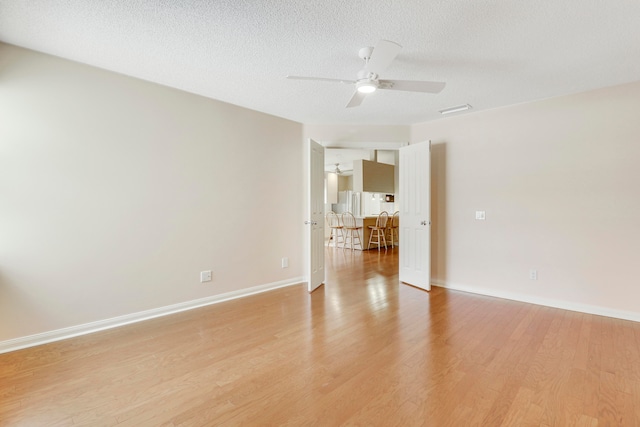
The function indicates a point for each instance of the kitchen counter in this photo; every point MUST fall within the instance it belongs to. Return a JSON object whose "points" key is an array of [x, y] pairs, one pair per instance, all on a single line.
{"points": [[365, 232]]}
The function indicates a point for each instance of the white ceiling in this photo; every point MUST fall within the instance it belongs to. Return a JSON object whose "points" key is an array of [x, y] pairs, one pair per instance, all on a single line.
{"points": [[345, 157], [491, 53]]}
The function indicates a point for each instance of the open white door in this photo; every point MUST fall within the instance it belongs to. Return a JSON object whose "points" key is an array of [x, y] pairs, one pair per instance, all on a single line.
{"points": [[315, 222], [415, 215]]}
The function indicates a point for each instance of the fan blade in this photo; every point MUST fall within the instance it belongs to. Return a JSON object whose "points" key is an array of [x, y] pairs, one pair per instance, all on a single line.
{"points": [[356, 99], [383, 55], [412, 86], [322, 79]]}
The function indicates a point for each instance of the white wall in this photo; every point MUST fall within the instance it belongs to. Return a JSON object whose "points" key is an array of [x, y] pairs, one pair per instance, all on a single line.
{"points": [[559, 180], [115, 193]]}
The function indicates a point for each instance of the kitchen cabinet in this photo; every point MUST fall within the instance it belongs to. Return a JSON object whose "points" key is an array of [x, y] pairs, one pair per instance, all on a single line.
{"points": [[373, 177]]}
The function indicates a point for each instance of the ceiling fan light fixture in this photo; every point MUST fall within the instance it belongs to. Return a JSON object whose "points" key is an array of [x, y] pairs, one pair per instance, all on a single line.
{"points": [[455, 109], [367, 86], [376, 60]]}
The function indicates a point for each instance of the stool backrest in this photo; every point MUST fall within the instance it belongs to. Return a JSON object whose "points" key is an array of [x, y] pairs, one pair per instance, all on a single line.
{"points": [[332, 219], [381, 222], [395, 218], [348, 220]]}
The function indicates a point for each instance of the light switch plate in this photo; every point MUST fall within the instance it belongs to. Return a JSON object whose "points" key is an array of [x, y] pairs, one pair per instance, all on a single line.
{"points": [[480, 215]]}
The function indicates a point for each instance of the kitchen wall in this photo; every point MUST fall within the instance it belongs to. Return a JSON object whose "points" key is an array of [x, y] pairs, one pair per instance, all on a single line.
{"points": [[558, 180], [115, 193], [345, 182]]}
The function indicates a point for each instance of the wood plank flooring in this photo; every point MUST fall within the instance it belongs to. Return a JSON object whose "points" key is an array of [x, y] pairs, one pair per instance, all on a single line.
{"points": [[362, 350]]}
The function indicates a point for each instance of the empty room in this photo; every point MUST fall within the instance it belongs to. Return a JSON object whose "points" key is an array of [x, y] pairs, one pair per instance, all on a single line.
{"points": [[416, 213]]}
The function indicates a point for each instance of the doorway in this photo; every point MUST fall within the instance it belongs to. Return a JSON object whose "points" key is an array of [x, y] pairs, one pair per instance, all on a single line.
{"points": [[340, 196], [416, 194]]}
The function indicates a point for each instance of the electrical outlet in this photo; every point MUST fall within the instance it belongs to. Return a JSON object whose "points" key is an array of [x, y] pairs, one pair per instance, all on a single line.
{"points": [[480, 215], [205, 276], [285, 262], [533, 274]]}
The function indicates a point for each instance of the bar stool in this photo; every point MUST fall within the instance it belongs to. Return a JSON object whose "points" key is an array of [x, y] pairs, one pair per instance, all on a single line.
{"points": [[352, 231], [379, 230], [333, 222], [393, 228]]}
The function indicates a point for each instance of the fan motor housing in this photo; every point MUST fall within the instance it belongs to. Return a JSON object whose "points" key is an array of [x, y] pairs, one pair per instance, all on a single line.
{"points": [[365, 74]]}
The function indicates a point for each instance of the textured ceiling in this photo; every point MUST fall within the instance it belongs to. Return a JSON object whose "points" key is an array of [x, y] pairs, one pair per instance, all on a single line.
{"points": [[490, 53]]}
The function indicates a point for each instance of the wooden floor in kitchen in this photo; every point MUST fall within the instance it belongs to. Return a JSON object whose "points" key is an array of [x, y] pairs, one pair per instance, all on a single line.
{"points": [[362, 350]]}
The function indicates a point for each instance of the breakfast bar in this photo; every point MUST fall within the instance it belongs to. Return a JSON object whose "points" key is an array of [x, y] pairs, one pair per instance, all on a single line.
{"points": [[365, 232]]}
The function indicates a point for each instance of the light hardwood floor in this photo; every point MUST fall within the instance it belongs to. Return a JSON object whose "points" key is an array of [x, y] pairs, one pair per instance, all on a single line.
{"points": [[362, 350]]}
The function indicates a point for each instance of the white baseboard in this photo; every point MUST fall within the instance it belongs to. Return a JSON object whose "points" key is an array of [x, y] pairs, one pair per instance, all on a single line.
{"points": [[87, 328], [565, 305]]}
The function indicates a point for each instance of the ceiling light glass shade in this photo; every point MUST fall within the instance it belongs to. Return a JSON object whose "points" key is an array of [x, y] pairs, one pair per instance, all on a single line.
{"points": [[366, 87]]}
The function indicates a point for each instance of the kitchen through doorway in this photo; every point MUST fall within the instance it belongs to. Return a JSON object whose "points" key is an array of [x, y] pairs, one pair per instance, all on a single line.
{"points": [[361, 178]]}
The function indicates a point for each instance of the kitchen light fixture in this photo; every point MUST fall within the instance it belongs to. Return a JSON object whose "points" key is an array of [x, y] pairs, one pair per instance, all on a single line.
{"points": [[455, 109]]}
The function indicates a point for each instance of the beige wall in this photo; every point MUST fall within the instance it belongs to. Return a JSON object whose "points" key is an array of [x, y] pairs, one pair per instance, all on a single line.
{"points": [[115, 193], [345, 182], [559, 180]]}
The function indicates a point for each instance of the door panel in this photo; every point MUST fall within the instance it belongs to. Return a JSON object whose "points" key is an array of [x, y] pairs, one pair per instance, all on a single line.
{"points": [[415, 215], [315, 222]]}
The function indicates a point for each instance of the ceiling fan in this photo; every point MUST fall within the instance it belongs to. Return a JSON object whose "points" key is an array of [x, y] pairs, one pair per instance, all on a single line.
{"points": [[376, 60], [339, 170]]}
